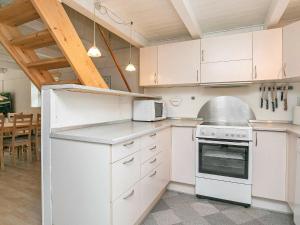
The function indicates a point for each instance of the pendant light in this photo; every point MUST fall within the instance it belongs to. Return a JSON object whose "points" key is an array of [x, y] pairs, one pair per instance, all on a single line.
{"points": [[94, 51], [130, 67]]}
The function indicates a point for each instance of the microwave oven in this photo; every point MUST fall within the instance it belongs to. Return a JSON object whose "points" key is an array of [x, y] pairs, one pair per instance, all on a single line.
{"points": [[149, 110]]}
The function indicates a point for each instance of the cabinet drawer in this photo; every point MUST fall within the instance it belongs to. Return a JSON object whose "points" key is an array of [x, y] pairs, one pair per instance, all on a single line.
{"points": [[149, 139], [125, 173], [152, 184], [124, 149], [149, 152], [126, 209], [151, 163]]}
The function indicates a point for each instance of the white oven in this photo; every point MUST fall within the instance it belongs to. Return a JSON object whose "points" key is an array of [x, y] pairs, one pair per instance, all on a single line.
{"points": [[224, 165]]}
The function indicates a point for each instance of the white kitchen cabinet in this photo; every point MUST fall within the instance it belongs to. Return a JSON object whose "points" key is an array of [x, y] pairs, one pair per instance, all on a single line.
{"points": [[183, 155], [226, 48], [267, 54], [222, 72], [297, 187], [148, 66], [226, 58], [291, 169], [269, 165], [179, 63], [291, 50]]}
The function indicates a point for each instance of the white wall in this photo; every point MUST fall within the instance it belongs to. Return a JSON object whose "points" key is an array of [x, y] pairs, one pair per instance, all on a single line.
{"points": [[249, 94], [17, 83]]}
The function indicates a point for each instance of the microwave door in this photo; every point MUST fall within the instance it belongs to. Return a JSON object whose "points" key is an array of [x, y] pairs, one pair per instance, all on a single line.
{"points": [[158, 109]]}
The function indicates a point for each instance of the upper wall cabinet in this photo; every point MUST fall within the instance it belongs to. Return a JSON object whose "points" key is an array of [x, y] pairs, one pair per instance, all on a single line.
{"points": [[170, 64], [179, 63], [226, 48], [267, 54], [148, 66], [226, 58], [291, 50]]}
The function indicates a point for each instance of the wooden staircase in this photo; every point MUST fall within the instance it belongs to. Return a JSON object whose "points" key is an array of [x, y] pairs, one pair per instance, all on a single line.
{"points": [[59, 31]]}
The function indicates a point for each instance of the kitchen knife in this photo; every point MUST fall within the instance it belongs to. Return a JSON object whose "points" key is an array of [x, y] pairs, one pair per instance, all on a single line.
{"points": [[267, 97], [276, 98], [273, 98], [262, 88], [285, 103]]}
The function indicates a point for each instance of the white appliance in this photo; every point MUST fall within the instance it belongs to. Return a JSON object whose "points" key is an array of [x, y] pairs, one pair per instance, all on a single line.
{"points": [[296, 115], [297, 188], [224, 162], [149, 110]]}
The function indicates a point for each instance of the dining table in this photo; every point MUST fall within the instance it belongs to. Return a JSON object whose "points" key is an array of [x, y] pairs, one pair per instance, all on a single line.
{"points": [[8, 126]]}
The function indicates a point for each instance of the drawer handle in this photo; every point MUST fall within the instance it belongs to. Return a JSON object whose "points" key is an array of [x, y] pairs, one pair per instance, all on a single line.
{"points": [[153, 135], [153, 174], [128, 161], [153, 148], [129, 195], [128, 144], [153, 161]]}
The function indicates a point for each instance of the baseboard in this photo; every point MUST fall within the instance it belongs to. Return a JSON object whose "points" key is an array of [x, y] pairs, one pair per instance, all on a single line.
{"points": [[272, 205], [183, 188]]}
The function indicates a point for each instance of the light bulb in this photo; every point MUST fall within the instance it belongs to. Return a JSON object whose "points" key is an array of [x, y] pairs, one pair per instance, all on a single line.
{"points": [[130, 67], [94, 52]]}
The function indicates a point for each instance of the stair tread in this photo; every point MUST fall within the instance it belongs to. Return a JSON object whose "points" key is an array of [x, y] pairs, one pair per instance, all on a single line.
{"points": [[36, 40], [18, 13], [48, 64]]}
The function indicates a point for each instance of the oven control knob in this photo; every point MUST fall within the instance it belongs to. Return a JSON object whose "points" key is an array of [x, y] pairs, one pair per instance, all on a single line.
{"points": [[226, 135], [213, 134], [202, 133], [238, 135], [244, 135], [232, 135]]}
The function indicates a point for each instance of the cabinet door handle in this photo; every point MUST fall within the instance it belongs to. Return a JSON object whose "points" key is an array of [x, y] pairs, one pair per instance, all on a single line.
{"points": [[128, 161], [202, 55], [128, 144], [153, 174], [197, 75], [153, 161], [256, 141], [153, 148], [255, 72], [129, 195], [153, 135]]}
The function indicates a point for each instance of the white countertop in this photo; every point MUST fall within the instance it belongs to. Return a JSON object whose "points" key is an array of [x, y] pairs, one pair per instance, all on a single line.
{"points": [[273, 126], [115, 133]]}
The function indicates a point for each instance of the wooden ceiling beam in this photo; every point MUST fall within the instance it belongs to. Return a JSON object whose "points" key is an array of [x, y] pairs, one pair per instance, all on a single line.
{"points": [[186, 13], [275, 12]]}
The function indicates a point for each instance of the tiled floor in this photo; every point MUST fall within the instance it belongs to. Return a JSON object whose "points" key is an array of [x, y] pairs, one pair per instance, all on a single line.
{"points": [[20, 198], [181, 209]]}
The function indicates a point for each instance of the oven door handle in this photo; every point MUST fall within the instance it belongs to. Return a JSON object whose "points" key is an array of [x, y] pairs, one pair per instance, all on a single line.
{"points": [[223, 142]]}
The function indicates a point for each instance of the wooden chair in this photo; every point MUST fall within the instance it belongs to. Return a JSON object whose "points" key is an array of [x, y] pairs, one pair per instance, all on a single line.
{"points": [[21, 136], [2, 119], [36, 139], [10, 116]]}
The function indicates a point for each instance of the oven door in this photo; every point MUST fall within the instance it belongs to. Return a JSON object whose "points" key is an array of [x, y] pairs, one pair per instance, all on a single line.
{"points": [[226, 159]]}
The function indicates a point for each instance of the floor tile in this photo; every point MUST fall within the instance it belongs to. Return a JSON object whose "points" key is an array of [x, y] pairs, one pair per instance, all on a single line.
{"points": [[219, 219], [180, 199], [252, 222], [222, 205], [166, 217], [161, 205], [277, 219], [149, 220], [170, 194], [257, 213], [204, 209], [237, 215], [188, 215]]}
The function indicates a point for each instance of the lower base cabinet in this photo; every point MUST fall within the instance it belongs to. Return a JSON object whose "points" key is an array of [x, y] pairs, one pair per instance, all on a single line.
{"points": [[269, 165]]}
